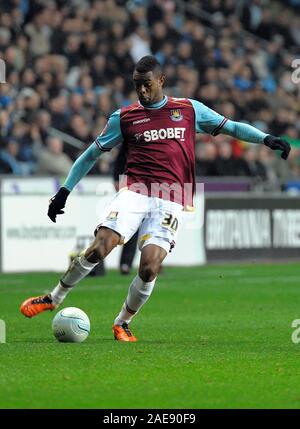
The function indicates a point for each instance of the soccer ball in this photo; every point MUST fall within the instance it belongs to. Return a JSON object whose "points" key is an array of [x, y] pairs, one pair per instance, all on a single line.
{"points": [[71, 325]]}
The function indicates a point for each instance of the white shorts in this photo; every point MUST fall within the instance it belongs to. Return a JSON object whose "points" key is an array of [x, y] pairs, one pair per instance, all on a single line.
{"points": [[158, 220]]}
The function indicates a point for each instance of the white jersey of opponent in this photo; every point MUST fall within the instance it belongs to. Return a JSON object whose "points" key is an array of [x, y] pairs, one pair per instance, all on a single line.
{"points": [[158, 220]]}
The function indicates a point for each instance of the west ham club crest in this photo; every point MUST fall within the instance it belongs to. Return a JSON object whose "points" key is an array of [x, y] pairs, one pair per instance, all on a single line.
{"points": [[176, 115]]}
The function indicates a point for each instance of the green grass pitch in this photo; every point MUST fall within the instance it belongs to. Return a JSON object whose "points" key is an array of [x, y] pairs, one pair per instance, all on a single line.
{"points": [[209, 337]]}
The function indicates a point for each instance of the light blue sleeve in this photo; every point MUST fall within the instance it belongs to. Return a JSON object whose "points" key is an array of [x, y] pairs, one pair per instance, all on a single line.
{"points": [[242, 131], [210, 122], [206, 120], [110, 137], [82, 166]]}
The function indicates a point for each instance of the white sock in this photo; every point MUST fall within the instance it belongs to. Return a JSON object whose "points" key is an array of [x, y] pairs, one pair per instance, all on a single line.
{"points": [[138, 293], [78, 269], [59, 293]]}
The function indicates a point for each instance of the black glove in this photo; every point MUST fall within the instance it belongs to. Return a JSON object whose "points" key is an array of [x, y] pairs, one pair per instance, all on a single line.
{"points": [[278, 143], [57, 203]]}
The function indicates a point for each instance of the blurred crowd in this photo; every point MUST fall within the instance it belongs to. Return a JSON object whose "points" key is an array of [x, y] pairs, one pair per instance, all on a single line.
{"points": [[69, 64]]}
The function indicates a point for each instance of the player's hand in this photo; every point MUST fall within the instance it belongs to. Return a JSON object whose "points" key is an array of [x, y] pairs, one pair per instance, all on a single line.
{"points": [[277, 143], [57, 203]]}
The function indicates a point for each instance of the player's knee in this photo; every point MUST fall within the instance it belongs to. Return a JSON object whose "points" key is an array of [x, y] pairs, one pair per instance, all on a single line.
{"points": [[148, 272], [95, 253], [104, 242]]}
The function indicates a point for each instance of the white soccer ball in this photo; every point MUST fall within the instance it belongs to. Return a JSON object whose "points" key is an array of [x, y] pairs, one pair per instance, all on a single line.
{"points": [[71, 325]]}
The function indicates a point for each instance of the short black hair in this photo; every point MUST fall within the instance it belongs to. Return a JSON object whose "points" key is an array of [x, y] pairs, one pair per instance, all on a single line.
{"points": [[147, 64]]}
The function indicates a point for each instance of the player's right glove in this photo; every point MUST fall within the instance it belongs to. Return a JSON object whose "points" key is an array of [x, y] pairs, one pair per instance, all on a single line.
{"points": [[275, 143], [57, 203]]}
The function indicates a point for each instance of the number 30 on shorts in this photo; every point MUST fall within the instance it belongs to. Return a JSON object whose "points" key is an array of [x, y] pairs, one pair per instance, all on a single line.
{"points": [[170, 222]]}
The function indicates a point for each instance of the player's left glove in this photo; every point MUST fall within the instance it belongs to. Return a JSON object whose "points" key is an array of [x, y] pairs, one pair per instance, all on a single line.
{"points": [[57, 203], [277, 143]]}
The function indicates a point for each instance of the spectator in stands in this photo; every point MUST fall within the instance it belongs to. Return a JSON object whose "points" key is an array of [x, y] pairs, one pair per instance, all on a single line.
{"points": [[269, 161], [292, 170], [252, 166], [43, 121], [25, 134], [52, 160], [226, 164], [9, 162], [8, 159], [206, 154]]}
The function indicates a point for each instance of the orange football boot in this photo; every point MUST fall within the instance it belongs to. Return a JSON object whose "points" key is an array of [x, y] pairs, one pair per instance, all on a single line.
{"points": [[36, 305], [123, 333]]}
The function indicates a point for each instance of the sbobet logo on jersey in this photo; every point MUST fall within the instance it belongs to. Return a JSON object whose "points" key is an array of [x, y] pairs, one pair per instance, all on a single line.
{"points": [[164, 133]]}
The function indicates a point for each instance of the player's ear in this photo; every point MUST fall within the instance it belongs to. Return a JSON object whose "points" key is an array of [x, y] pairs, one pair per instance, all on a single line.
{"points": [[162, 79]]}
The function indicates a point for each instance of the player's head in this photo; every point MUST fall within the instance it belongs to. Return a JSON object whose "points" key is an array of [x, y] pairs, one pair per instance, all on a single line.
{"points": [[148, 79]]}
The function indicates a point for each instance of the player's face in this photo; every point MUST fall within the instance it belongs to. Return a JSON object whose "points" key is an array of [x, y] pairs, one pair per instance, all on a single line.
{"points": [[148, 87]]}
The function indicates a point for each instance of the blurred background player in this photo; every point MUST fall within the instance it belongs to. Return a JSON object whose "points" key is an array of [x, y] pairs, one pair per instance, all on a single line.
{"points": [[129, 248], [159, 134]]}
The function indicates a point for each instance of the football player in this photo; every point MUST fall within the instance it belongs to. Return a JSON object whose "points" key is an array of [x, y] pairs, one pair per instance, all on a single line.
{"points": [[158, 134]]}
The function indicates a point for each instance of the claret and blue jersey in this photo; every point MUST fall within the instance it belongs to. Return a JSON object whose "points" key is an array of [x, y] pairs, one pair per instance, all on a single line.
{"points": [[206, 120], [159, 140]]}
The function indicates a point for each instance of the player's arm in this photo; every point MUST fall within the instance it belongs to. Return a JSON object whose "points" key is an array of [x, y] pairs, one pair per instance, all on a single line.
{"points": [[211, 122], [110, 137]]}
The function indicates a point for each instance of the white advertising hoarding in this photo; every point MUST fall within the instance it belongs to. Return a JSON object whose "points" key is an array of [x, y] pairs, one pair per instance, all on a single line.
{"points": [[31, 242]]}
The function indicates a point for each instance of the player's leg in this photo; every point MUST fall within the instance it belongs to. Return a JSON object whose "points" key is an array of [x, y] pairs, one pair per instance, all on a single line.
{"points": [[105, 240], [127, 254], [140, 290], [157, 237], [121, 220]]}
